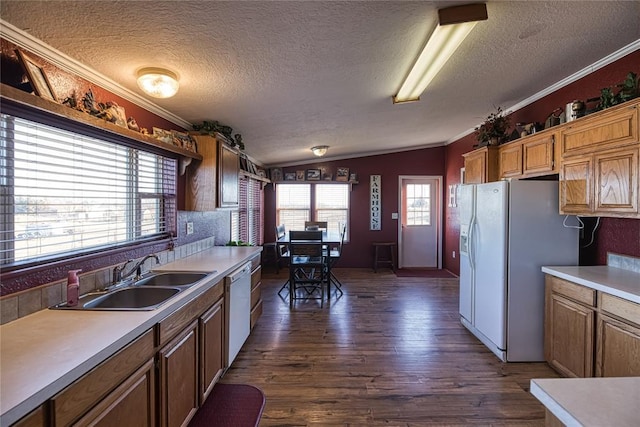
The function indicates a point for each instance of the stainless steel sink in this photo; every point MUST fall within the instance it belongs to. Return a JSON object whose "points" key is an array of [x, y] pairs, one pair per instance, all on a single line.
{"points": [[133, 298], [170, 279]]}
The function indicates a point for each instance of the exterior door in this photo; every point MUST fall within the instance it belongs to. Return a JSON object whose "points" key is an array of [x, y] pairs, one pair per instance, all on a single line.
{"points": [[420, 222]]}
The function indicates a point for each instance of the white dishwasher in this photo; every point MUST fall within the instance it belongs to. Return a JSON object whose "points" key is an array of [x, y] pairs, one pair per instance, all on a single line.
{"points": [[238, 293]]}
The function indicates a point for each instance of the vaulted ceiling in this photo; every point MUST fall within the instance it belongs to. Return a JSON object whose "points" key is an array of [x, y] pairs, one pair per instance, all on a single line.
{"points": [[289, 75]]}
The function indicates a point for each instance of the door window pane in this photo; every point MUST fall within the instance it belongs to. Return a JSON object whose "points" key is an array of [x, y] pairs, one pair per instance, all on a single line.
{"points": [[418, 199]]}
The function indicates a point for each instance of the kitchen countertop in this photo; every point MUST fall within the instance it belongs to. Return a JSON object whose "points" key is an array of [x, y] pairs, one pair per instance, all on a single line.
{"points": [[591, 401], [46, 351], [611, 280]]}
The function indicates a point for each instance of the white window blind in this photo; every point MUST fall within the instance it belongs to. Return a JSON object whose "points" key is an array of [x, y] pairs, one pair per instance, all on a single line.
{"points": [[248, 221], [65, 193], [332, 205], [295, 204]]}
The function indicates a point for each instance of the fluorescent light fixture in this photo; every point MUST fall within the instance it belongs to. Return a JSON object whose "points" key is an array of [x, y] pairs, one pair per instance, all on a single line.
{"points": [[455, 23], [158, 82], [320, 150]]}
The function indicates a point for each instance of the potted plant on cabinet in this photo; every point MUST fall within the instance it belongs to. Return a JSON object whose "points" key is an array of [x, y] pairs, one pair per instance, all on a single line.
{"points": [[494, 129]]}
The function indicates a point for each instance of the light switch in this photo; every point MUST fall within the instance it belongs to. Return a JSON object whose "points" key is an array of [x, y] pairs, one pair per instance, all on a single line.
{"points": [[394, 215]]}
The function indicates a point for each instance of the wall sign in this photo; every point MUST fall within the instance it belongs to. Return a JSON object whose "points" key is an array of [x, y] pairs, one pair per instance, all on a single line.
{"points": [[375, 196]]}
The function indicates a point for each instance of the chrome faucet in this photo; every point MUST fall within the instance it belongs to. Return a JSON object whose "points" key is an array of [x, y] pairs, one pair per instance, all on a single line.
{"points": [[119, 270]]}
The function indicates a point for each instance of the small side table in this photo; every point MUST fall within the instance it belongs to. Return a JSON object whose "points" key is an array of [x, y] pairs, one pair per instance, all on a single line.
{"points": [[391, 260]]}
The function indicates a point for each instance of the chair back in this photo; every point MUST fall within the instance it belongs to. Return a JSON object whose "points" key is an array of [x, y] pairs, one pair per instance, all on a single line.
{"points": [[280, 231], [299, 235], [315, 225], [306, 252]]}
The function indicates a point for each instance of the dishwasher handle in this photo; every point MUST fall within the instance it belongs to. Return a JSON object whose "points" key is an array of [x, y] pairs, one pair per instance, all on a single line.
{"points": [[239, 273]]}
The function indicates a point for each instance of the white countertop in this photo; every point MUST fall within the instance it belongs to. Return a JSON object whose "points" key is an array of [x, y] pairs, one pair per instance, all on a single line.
{"points": [[591, 401], [46, 351], [611, 280]]}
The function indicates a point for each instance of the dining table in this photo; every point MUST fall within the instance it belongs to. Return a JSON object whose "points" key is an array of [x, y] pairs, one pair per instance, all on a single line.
{"points": [[332, 239]]}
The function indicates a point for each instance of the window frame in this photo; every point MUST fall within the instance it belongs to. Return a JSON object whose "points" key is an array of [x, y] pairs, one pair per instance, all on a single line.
{"points": [[313, 206], [95, 257]]}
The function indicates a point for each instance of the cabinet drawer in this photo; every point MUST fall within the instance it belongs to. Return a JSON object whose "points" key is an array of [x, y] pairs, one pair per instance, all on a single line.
{"points": [[180, 318], [255, 262], [573, 291], [256, 276], [83, 394], [36, 418], [255, 294], [619, 307], [256, 312], [610, 128]]}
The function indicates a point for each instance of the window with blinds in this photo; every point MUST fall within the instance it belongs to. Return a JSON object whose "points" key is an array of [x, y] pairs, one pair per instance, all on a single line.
{"points": [[295, 204], [247, 223], [65, 194]]}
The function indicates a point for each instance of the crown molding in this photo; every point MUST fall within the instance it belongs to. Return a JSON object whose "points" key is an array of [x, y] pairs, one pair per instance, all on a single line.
{"points": [[64, 62], [624, 51]]}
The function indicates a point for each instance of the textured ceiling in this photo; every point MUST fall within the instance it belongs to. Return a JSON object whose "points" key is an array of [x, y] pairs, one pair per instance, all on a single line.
{"points": [[291, 75]]}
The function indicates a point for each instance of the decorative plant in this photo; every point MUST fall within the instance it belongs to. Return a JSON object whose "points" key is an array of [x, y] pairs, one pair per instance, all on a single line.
{"points": [[212, 127], [494, 128], [629, 89]]}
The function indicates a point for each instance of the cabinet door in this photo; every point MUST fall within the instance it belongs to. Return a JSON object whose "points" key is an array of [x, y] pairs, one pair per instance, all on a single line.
{"points": [[510, 160], [211, 348], [569, 334], [178, 375], [202, 177], [616, 181], [481, 165], [576, 192], [229, 169], [618, 348], [610, 128], [131, 404], [538, 155], [36, 418]]}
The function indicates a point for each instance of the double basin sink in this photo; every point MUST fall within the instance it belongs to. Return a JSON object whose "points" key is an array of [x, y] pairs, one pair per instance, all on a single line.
{"points": [[147, 293]]}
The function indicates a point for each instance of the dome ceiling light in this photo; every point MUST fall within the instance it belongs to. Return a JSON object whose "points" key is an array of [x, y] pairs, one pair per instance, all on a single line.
{"points": [[158, 82]]}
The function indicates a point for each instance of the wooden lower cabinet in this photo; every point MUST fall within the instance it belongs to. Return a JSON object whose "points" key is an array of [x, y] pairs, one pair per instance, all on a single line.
{"points": [[587, 336], [36, 418], [569, 336], [211, 325], [132, 404], [256, 291], [178, 378]]}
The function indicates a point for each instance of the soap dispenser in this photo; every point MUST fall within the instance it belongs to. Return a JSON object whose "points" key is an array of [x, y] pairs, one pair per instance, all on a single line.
{"points": [[73, 288]]}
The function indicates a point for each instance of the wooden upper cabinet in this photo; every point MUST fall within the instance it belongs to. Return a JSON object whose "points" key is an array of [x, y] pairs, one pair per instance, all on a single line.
{"points": [[616, 181], [213, 182], [481, 165], [510, 160], [609, 128], [228, 175], [202, 177], [538, 153], [576, 188]]}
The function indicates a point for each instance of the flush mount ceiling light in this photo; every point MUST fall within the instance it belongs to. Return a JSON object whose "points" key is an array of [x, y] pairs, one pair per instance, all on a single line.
{"points": [[158, 82], [320, 150], [454, 24]]}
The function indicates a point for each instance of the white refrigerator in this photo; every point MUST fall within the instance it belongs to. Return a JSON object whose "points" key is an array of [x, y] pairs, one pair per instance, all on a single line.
{"points": [[508, 231]]}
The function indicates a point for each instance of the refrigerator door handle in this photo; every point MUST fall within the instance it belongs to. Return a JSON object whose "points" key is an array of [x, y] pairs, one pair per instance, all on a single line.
{"points": [[470, 243]]}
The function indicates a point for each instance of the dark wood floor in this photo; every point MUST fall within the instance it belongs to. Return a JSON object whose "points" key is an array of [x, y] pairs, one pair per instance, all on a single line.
{"points": [[391, 351]]}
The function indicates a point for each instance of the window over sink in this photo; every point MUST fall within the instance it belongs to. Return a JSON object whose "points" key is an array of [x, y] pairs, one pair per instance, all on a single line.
{"points": [[65, 193]]}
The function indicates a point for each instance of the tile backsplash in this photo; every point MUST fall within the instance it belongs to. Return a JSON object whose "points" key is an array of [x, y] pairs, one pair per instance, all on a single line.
{"points": [[23, 303], [623, 261]]}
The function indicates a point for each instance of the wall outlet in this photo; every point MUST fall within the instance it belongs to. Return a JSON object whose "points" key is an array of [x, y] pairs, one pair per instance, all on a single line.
{"points": [[454, 254], [189, 228]]}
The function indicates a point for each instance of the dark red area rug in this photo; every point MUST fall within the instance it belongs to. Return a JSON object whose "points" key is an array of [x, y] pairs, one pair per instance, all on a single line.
{"points": [[232, 405], [440, 274]]}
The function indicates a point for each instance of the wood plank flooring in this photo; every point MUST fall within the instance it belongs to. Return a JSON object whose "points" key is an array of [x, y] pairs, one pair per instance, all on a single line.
{"points": [[391, 351]]}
